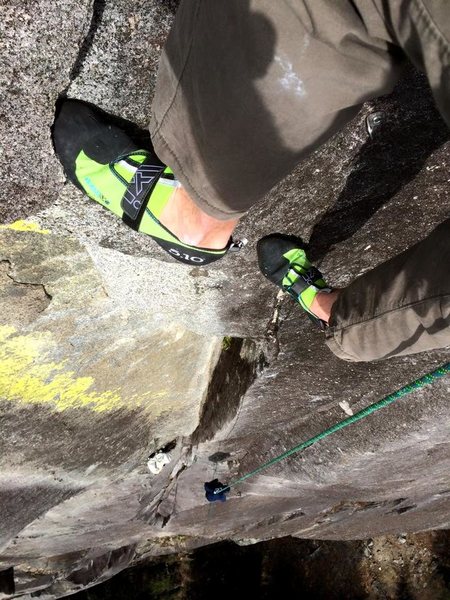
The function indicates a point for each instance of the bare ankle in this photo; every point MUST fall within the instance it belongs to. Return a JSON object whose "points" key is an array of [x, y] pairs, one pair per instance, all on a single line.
{"points": [[193, 226], [323, 303]]}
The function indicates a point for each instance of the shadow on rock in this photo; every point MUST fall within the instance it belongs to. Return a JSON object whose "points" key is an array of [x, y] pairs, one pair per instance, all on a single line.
{"points": [[386, 163]]}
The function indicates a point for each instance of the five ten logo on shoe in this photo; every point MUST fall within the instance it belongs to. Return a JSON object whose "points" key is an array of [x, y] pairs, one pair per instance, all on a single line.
{"points": [[139, 188]]}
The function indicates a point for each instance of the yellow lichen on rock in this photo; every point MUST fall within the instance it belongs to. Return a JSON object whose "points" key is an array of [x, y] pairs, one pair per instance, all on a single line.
{"points": [[26, 378], [22, 225]]}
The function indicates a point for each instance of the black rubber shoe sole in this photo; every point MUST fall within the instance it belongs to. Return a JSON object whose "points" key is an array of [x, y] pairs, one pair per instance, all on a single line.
{"points": [[79, 126], [270, 250]]}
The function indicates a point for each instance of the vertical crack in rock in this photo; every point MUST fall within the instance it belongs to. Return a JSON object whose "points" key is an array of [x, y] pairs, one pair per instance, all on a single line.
{"points": [[272, 346], [98, 9], [236, 370], [7, 587]]}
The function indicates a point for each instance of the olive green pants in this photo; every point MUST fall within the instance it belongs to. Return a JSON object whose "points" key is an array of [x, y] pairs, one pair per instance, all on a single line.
{"points": [[400, 307], [248, 88]]}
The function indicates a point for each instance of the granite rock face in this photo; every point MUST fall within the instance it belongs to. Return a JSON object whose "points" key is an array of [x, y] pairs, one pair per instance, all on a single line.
{"points": [[109, 352], [40, 43]]}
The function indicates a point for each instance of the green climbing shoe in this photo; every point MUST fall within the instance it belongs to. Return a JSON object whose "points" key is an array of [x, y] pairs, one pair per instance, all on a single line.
{"points": [[283, 260], [103, 161]]}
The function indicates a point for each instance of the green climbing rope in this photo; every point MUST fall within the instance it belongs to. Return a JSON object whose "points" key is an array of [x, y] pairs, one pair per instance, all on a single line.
{"points": [[407, 389]]}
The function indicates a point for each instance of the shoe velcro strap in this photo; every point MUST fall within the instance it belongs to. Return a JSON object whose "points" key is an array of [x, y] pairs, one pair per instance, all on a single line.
{"points": [[303, 281], [135, 203], [139, 191]]}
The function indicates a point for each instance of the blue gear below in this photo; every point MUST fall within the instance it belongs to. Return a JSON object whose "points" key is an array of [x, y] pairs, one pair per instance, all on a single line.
{"points": [[211, 487]]}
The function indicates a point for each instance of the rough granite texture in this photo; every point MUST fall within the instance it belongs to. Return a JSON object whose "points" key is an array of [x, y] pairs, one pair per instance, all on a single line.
{"points": [[109, 351], [39, 43]]}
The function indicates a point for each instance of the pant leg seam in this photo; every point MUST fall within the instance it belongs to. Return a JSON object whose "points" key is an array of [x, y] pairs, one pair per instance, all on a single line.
{"points": [[387, 312], [430, 24]]}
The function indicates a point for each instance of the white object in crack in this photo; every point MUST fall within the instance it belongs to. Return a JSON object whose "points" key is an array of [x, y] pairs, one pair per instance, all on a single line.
{"points": [[346, 408], [157, 462]]}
